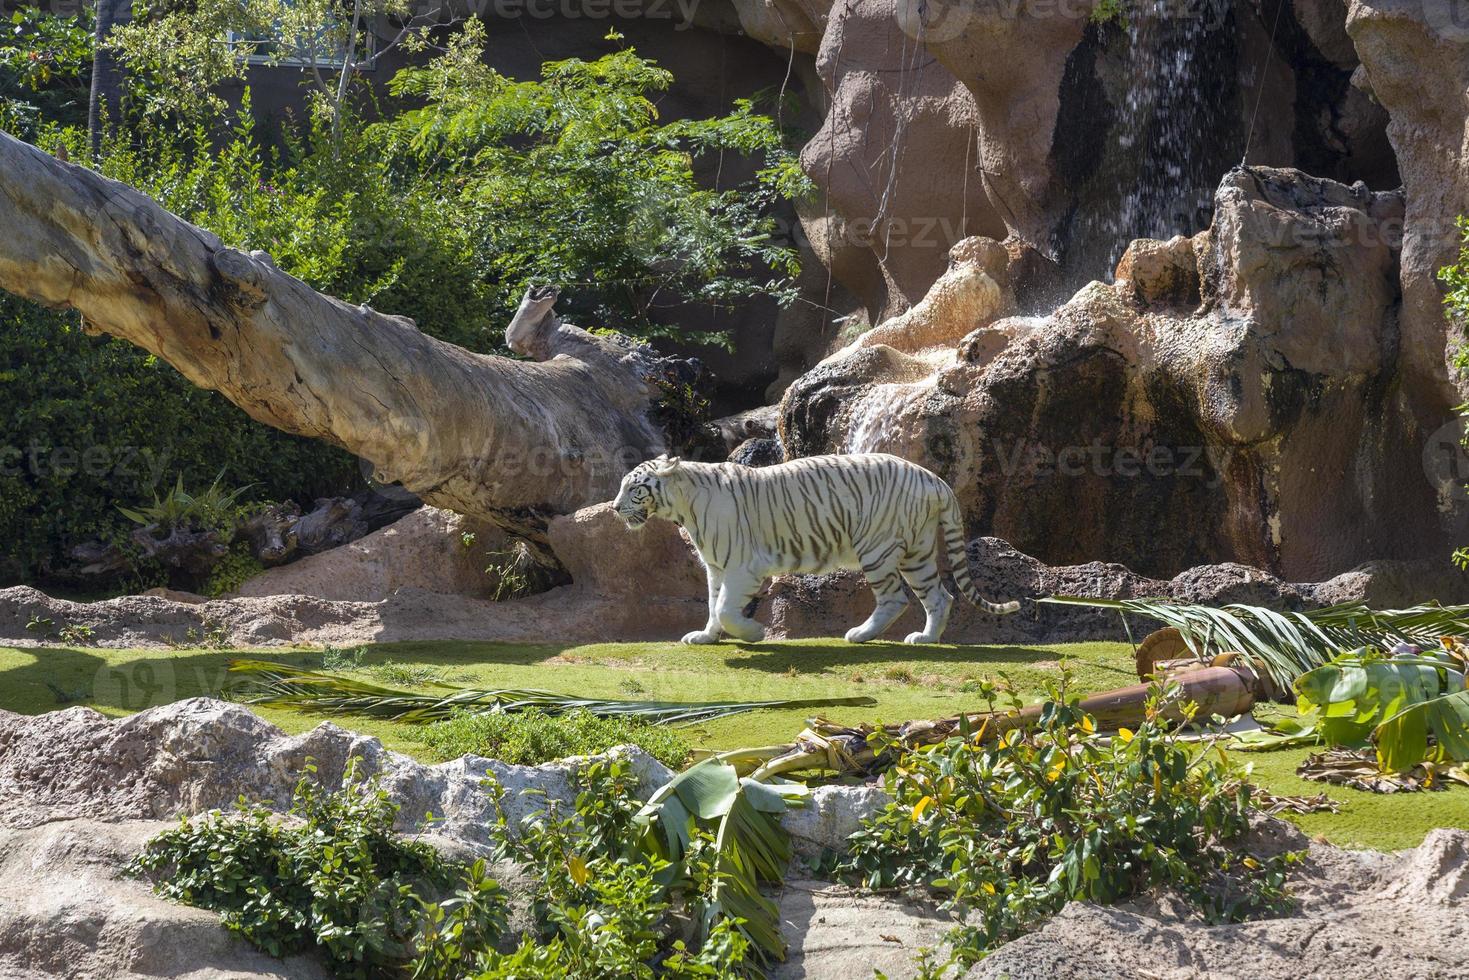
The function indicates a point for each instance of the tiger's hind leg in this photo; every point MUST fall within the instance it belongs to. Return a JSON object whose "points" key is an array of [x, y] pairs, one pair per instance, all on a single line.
{"points": [[921, 572], [887, 585]]}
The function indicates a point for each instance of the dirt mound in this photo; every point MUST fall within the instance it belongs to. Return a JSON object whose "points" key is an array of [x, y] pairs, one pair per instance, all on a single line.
{"points": [[1358, 914]]}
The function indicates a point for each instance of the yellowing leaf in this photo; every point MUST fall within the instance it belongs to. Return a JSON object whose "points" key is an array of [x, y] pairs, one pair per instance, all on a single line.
{"points": [[920, 806], [580, 873], [1087, 725], [989, 889], [1157, 780], [1251, 863], [1125, 734]]}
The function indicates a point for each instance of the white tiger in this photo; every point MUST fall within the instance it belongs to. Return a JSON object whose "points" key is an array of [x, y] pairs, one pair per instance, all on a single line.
{"points": [[871, 511]]}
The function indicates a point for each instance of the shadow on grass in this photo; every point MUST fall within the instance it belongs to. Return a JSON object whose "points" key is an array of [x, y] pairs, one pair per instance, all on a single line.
{"points": [[60, 677], [117, 682], [780, 658]]}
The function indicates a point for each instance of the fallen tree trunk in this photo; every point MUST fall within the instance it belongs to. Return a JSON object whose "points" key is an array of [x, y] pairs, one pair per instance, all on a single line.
{"points": [[510, 441]]}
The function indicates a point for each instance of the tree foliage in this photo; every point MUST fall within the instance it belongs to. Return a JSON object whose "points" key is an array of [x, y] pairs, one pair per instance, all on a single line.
{"points": [[573, 179], [466, 187]]}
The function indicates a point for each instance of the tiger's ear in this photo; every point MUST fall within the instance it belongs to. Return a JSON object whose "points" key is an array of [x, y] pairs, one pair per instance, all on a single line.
{"points": [[664, 465]]}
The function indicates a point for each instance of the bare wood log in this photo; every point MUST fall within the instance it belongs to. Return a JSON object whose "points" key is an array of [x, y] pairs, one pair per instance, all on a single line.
{"points": [[1226, 690], [510, 441]]}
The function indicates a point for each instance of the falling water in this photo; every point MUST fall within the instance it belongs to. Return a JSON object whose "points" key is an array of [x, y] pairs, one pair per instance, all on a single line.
{"points": [[1169, 74]]}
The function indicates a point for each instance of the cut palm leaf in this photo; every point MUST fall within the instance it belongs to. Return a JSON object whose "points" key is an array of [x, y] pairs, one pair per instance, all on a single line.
{"points": [[281, 686], [1285, 645]]}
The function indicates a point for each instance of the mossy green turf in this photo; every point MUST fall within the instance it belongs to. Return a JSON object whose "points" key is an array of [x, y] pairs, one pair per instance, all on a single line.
{"points": [[905, 682]]}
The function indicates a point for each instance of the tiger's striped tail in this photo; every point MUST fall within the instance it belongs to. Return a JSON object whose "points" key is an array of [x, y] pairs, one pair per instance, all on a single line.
{"points": [[951, 525]]}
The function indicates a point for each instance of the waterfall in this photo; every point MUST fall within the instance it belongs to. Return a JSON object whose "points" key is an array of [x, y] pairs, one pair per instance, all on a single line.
{"points": [[1172, 128]]}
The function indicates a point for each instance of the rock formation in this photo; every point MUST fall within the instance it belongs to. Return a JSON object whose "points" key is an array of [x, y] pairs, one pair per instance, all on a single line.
{"points": [[1242, 395], [80, 793]]}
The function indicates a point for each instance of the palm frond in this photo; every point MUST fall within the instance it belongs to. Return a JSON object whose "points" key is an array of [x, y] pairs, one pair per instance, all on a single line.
{"points": [[1285, 645], [282, 686]]}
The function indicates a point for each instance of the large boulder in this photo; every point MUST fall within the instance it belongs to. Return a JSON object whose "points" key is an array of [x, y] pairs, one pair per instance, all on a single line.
{"points": [[897, 159], [70, 911], [1415, 63], [430, 549], [1253, 410]]}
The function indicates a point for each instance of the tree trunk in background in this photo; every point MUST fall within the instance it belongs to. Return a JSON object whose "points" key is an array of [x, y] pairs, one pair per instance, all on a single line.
{"points": [[510, 441], [106, 101]]}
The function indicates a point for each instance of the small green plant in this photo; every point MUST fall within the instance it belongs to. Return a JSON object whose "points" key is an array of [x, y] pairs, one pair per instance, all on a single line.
{"points": [[533, 737], [40, 624], [338, 658], [605, 909], [210, 636], [414, 674], [341, 881], [75, 634], [1010, 829], [211, 510]]}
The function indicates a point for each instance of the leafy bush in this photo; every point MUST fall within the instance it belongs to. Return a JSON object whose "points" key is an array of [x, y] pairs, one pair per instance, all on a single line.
{"points": [[45, 69], [377, 905], [88, 423], [234, 570], [1009, 830], [341, 881], [571, 179], [603, 907], [532, 737]]}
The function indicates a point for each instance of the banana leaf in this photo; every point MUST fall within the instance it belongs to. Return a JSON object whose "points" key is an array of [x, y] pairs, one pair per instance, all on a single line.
{"points": [[282, 686], [1365, 699], [1285, 645], [751, 846], [1402, 740]]}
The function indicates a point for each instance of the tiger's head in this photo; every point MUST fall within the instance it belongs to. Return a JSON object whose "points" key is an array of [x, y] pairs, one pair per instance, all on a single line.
{"points": [[643, 493]]}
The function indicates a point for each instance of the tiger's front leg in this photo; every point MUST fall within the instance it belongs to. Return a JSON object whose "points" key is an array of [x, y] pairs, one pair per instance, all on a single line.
{"points": [[710, 632], [738, 590]]}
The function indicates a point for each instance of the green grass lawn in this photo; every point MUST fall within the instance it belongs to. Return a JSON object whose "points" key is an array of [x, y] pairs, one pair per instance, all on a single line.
{"points": [[905, 682]]}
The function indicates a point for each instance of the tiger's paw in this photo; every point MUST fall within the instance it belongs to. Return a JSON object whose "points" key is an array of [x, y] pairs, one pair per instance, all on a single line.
{"points": [[700, 636], [858, 635], [920, 638]]}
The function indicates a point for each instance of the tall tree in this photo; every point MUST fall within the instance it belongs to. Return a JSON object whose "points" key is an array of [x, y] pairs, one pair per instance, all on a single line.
{"points": [[105, 106]]}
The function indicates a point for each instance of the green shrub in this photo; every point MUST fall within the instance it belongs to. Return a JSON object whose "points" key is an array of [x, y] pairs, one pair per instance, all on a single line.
{"points": [[89, 423], [233, 571], [341, 881], [380, 906], [45, 69], [602, 906], [1010, 830], [532, 737]]}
